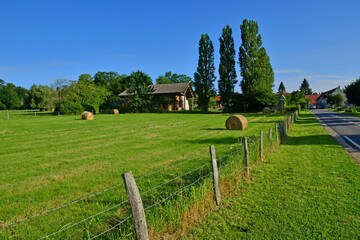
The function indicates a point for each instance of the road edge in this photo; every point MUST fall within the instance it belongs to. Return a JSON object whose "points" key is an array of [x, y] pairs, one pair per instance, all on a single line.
{"points": [[354, 153]]}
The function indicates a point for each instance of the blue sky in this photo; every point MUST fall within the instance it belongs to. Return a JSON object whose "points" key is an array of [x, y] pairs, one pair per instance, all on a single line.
{"points": [[42, 41]]}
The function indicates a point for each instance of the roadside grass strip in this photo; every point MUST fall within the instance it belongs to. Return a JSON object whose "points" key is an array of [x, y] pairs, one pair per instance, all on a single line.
{"points": [[308, 189]]}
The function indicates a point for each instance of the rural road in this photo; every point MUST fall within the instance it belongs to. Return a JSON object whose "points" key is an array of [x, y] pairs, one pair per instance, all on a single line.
{"points": [[346, 126]]}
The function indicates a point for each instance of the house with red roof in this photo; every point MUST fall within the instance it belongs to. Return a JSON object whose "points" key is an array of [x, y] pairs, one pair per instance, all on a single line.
{"points": [[312, 98]]}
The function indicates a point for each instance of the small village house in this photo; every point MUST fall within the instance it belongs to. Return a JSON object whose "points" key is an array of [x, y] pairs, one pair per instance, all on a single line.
{"points": [[321, 101]]}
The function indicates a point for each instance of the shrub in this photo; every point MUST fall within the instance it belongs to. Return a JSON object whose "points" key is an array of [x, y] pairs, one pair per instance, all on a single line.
{"points": [[68, 107], [89, 108]]}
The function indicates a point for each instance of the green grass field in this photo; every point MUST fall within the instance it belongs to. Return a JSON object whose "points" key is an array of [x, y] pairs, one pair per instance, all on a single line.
{"points": [[308, 189], [47, 161]]}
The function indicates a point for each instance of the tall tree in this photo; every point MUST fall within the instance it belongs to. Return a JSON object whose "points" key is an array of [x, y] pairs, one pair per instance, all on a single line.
{"points": [[227, 72], [105, 78], [205, 75], [352, 92], [305, 87], [281, 88], [86, 77], [138, 85], [59, 86], [256, 71], [170, 77], [42, 97]]}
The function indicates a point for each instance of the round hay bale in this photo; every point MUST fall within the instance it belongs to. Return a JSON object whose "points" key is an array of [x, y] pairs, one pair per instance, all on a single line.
{"points": [[266, 110], [236, 122], [114, 111], [87, 116]]}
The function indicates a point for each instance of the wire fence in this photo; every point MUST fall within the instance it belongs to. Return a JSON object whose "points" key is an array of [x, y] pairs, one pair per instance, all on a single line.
{"points": [[187, 174]]}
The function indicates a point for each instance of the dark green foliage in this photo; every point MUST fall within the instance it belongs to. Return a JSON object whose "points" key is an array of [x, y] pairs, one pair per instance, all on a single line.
{"points": [[227, 73], [87, 93], [335, 99], [204, 76], [281, 88], [9, 99], [86, 78], [256, 71], [305, 88], [296, 98], [138, 85], [68, 107], [173, 78], [352, 92]]}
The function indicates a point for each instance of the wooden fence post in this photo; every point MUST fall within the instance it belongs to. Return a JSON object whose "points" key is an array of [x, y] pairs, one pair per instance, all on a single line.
{"points": [[215, 175], [247, 163], [137, 208], [277, 134], [284, 129], [271, 142], [261, 145]]}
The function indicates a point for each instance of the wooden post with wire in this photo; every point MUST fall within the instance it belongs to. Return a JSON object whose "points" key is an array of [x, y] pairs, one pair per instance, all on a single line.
{"points": [[215, 175], [271, 140], [261, 145], [137, 208], [247, 163], [277, 134]]}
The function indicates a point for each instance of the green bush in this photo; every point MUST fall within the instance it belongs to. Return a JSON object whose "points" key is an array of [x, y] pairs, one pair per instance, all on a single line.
{"points": [[357, 109], [68, 107], [350, 110], [89, 108]]}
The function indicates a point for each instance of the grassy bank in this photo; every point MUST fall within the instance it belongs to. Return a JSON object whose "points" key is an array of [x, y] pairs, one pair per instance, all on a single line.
{"points": [[47, 161], [308, 189]]}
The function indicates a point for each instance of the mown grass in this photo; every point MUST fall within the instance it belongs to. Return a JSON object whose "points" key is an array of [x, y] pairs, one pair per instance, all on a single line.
{"points": [[308, 189], [47, 161]]}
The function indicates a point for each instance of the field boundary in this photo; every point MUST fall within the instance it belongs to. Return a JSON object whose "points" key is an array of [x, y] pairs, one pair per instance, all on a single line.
{"points": [[242, 153]]}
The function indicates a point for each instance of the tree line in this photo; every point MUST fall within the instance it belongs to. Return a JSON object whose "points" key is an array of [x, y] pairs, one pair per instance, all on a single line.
{"points": [[90, 93]]}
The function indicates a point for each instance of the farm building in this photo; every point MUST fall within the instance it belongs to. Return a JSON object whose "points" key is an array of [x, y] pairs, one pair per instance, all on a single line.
{"points": [[179, 93]]}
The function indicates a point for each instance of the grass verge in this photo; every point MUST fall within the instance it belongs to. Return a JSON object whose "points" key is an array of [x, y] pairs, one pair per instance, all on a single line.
{"points": [[310, 188]]}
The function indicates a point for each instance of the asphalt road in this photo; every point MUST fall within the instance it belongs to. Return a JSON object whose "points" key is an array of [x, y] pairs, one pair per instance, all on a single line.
{"points": [[346, 126]]}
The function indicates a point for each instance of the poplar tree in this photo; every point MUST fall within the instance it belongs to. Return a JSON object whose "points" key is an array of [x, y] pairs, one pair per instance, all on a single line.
{"points": [[305, 87], [281, 88], [204, 76], [256, 71], [227, 72]]}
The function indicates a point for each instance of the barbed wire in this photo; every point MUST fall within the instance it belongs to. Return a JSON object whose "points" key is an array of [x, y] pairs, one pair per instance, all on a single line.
{"points": [[94, 194], [62, 206], [118, 224], [83, 220], [189, 185], [174, 179], [231, 153]]}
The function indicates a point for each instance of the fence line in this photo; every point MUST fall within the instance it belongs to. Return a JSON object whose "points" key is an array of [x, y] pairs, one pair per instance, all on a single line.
{"points": [[252, 140], [160, 185], [189, 185], [83, 220], [108, 230]]}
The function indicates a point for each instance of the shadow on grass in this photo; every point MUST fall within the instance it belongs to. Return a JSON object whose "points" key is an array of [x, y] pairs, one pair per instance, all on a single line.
{"points": [[311, 140], [214, 129], [215, 141]]}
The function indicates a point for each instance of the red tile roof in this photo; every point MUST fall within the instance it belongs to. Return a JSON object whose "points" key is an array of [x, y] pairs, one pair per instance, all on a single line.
{"points": [[312, 97]]}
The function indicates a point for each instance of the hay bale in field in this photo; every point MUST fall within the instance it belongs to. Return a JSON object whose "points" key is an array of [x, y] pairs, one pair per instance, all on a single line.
{"points": [[236, 122], [87, 116], [266, 111], [114, 111]]}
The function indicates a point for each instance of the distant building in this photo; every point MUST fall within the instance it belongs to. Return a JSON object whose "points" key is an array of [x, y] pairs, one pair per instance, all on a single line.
{"points": [[218, 102], [179, 92], [321, 101], [312, 98]]}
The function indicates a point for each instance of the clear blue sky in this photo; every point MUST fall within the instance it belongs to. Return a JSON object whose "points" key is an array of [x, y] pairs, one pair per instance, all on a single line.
{"points": [[42, 41]]}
